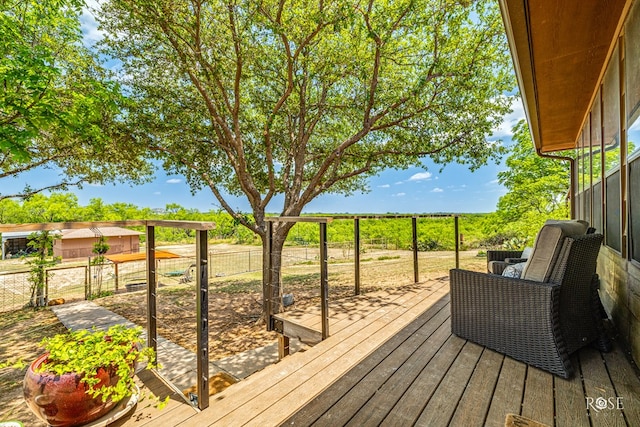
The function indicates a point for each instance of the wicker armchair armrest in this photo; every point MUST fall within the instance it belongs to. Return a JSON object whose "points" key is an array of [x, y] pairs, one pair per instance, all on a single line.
{"points": [[501, 255], [505, 315], [496, 260], [514, 260]]}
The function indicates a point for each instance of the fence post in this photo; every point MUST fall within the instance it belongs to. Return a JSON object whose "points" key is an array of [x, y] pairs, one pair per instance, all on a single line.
{"points": [[46, 285], [87, 288], [324, 280], [152, 327], [456, 230], [202, 310], [267, 285], [414, 228], [356, 254], [117, 279]]}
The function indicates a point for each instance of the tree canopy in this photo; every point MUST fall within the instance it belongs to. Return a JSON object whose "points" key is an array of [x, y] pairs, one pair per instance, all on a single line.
{"points": [[537, 187], [281, 101], [58, 108]]}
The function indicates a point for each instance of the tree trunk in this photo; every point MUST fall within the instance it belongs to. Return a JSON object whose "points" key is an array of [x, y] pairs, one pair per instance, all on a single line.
{"points": [[272, 243], [272, 274]]}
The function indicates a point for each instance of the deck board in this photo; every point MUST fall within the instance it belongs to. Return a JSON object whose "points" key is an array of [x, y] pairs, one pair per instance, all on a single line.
{"points": [[440, 408], [322, 364], [626, 381], [570, 401], [537, 402], [399, 364], [597, 385], [507, 395], [475, 401], [366, 390], [410, 406]]}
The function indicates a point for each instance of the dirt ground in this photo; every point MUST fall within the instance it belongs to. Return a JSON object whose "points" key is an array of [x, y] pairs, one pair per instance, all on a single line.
{"points": [[21, 332], [235, 305]]}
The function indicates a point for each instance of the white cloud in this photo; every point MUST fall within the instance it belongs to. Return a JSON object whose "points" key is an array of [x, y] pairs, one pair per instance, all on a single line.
{"points": [[384, 186], [89, 25], [399, 194], [437, 190], [509, 121], [157, 193], [174, 181], [494, 182], [420, 176]]}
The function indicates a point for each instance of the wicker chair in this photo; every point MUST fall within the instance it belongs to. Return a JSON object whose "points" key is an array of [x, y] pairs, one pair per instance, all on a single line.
{"points": [[498, 260], [539, 323]]}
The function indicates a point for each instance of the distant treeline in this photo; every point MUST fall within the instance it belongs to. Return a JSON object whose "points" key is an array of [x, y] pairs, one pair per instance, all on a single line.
{"points": [[434, 233]]}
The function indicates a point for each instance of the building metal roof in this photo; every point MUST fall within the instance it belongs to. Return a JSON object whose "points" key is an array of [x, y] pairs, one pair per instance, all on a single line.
{"points": [[87, 233]]}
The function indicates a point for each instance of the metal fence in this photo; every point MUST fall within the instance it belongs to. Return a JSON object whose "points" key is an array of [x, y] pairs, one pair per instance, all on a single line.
{"points": [[82, 281]]}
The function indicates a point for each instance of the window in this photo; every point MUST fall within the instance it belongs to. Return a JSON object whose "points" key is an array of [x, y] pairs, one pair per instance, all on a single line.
{"points": [[596, 140], [611, 113], [612, 232], [634, 208], [586, 153], [579, 206], [611, 144], [597, 207], [632, 72]]}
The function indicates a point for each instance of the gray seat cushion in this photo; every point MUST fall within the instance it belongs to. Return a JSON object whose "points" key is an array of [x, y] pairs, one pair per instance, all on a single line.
{"points": [[547, 246]]}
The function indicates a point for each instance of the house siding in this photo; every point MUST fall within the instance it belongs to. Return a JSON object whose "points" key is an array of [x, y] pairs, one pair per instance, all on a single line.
{"points": [[620, 295], [607, 164], [83, 248]]}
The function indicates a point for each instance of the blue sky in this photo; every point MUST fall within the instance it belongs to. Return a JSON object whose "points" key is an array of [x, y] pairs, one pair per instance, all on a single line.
{"points": [[415, 190]]}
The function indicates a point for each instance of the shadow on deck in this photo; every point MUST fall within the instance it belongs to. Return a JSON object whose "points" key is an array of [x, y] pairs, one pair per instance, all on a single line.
{"points": [[399, 364]]}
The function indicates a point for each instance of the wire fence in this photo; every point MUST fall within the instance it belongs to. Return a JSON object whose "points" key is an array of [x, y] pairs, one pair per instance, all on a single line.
{"points": [[75, 282]]}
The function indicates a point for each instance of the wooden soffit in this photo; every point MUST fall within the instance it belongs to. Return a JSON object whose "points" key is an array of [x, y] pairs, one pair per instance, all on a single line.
{"points": [[560, 49]]}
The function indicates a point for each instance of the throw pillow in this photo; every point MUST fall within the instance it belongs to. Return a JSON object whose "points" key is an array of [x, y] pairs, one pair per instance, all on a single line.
{"points": [[514, 270]]}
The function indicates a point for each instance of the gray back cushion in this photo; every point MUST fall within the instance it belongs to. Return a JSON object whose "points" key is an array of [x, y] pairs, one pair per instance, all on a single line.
{"points": [[547, 247]]}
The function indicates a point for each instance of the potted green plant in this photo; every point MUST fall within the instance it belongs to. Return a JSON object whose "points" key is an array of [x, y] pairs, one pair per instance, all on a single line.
{"points": [[83, 374]]}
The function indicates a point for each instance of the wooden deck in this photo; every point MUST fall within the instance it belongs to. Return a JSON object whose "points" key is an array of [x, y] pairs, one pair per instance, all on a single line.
{"points": [[391, 360]]}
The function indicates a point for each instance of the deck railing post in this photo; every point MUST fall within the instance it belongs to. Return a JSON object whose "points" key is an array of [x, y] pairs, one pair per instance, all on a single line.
{"points": [[324, 280], [414, 228], [202, 310], [356, 255], [457, 236], [117, 278], [267, 286], [152, 327], [87, 288]]}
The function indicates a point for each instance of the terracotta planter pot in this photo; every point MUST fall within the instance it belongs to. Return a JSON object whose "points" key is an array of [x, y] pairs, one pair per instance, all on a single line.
{"points": [[61, 400]]}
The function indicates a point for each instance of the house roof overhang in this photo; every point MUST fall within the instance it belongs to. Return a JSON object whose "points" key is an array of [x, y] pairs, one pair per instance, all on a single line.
{"points": [[560, 51]]}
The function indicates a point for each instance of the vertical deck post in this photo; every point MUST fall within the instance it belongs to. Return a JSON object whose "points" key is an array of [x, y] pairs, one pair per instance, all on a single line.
{"points": [[356, 257], [324, 280], [117, 278], [202, 310], [457, 233], [267, 286], [152, 327], [87, 288], [414, 229]]}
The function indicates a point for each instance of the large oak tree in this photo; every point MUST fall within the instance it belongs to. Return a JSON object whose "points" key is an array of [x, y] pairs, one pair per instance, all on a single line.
{"points": [[297, 98]]}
